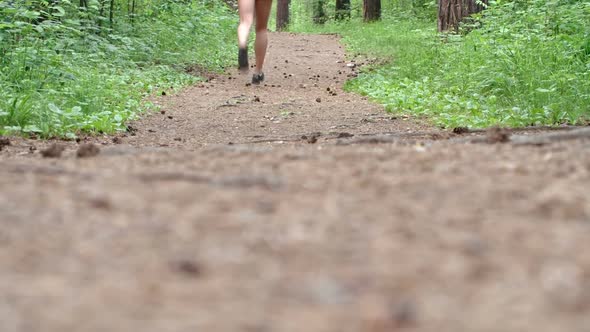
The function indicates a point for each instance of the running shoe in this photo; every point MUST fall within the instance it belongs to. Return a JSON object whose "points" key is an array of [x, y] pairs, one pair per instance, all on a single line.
{"points": [[257, 78], [243, 59]]}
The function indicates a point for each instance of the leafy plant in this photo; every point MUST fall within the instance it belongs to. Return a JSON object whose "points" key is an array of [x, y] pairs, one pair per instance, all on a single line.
{"points": [[527, 62], [65, 70]]}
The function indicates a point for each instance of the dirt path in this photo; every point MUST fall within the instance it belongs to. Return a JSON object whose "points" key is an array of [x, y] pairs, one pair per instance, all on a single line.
{"points": [[175, 229]]}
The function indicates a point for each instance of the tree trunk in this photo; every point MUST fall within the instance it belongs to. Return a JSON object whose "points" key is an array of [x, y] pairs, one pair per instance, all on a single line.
{"points": [[100, 13], [342, 9], [452, 12], [132, 11], [111, 13], [282, 14], [319, 16], [371, 10]]}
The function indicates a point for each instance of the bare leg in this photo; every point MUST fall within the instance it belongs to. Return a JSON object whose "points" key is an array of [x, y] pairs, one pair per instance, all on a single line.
{"points": [[246, 10], [262, 15]]}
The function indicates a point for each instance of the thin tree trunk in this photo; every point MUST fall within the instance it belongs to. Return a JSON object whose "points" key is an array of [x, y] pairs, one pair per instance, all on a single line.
{"points": [[371, 10], [452, 12], [319, 16], [132, 11], [282, 14], [100, 14], [342, 9], [111, 13]]}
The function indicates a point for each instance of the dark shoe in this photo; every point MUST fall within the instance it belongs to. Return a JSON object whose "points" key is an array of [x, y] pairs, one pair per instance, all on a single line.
{"points": [[257, 78], [243, 59]]}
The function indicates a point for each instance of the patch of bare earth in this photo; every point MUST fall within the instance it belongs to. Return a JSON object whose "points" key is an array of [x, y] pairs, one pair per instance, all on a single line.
{"points": [[293, 207]]}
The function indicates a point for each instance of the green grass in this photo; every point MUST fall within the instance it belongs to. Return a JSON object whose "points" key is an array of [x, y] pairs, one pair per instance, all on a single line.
{"points": [[60, 78], [528, 65]]}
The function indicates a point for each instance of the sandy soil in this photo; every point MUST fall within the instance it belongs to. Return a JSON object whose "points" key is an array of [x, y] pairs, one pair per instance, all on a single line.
{"points": [[245, 208]]}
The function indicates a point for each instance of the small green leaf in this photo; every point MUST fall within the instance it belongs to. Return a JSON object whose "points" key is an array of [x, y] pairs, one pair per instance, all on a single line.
{"points": [[31, 129], [60, 11], [12, 128], [31, 14], [76, 110], [54, 108]]}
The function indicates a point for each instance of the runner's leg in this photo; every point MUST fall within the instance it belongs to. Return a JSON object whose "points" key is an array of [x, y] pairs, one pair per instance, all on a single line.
{"points": [[246, 11], [262, 15]]}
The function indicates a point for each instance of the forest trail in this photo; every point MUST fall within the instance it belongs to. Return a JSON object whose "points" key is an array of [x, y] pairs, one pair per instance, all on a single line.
{"points": [[264, 209]]}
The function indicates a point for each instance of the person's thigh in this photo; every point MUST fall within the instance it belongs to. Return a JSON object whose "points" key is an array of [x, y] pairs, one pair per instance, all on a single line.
{"points": [[246, 10], [262, 13]]}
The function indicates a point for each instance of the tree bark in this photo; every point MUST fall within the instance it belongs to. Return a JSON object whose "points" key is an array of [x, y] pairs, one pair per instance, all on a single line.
{"points": [[342, 9], [282, 14], [111, 13], [319, 16], [452, 12], [371, 10], [100, 13], [132, 14]]}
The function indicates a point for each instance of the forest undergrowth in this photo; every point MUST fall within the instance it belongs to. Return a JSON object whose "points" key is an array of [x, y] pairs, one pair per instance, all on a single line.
{"points": [[67, 69], [518, 63]]}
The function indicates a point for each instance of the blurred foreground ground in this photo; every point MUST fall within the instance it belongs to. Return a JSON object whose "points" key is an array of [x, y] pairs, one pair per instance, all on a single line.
{"points": [[246, 208]]}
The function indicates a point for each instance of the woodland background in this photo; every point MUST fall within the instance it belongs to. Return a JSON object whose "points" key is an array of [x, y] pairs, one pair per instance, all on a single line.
{"points": [[68, 68]]}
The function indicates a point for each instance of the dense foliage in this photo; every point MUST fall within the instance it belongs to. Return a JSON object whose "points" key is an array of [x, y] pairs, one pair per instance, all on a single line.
{"points": [[70, 67], [67, 68], [522, 62]]}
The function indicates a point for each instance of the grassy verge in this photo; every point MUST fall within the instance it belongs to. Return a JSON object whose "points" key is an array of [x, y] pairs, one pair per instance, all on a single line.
{"points": [[64, 76], [526, 65]]}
